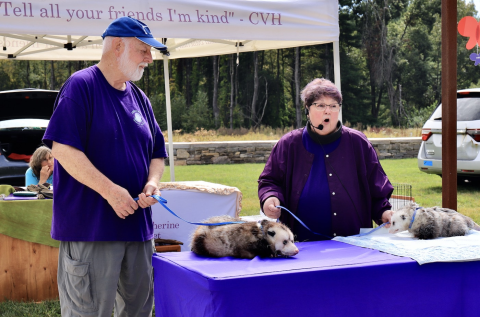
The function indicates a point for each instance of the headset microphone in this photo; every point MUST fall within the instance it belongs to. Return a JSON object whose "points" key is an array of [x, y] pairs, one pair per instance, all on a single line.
{"points": [[320, 126]]}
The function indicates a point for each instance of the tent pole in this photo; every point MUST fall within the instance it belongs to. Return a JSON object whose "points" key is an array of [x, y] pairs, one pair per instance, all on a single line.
{"points": [[336, 69], [169, 118]]}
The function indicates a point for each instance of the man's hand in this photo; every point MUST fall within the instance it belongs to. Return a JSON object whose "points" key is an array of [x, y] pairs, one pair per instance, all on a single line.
{"points": [[45, 173], [144, 199], [269, 207], [387, 216], [121, 202]]}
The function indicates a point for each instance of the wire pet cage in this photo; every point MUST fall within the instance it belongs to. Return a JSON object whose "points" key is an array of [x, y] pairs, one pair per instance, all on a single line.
{"points": [[402, 195]]}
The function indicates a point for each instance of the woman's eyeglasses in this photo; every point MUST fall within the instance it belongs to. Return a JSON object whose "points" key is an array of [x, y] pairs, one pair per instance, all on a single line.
{"points": [[334, 107]]}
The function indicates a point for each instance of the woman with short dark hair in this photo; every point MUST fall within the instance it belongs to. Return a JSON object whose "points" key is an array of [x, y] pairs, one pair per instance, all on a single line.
{"points": [[41, 167], [328, 175]]}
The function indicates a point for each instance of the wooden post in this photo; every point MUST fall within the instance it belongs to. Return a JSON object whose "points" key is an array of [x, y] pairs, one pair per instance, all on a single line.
{"points": [[449, 104]]}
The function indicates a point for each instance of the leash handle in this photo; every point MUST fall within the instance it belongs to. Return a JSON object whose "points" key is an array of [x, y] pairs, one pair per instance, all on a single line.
{"points": [[163, 202], [301, 222]]}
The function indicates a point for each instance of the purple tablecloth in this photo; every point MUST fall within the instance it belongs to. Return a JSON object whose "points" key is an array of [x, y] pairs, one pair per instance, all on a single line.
{"points": [[327, 278]]}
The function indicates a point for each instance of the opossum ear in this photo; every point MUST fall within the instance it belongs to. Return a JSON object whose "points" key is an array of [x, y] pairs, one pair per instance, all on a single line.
{"points": [[403, 217], [271, 233]]}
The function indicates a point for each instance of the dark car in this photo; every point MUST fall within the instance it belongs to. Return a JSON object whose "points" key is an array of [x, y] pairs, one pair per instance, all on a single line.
{"points": [[24, 116]]}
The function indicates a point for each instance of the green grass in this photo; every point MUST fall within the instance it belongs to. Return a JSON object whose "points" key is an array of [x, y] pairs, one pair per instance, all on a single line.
{"points": [[242, 176], [426, 189], [49, 308], [23, 309]]}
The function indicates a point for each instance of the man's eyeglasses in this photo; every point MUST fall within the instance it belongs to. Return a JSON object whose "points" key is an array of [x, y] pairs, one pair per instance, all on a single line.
{"points": [[334, 107]]}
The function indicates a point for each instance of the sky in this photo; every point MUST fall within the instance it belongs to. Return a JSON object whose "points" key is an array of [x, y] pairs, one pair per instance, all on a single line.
{"points": [[477, 4]]}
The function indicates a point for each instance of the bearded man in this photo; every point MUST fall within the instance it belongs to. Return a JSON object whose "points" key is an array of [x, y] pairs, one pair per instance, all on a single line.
{"points": [[108, 148]]}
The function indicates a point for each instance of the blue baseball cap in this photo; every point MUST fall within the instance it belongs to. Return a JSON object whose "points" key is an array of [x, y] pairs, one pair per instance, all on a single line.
{"points": [[130, 27]]}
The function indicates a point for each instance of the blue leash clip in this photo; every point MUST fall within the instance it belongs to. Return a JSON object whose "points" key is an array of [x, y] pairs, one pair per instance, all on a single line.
{"points": [[163, 202]]}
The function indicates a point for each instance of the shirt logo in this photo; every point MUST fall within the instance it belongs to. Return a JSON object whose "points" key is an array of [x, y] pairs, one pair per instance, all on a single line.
{"points": [[137, 117]]}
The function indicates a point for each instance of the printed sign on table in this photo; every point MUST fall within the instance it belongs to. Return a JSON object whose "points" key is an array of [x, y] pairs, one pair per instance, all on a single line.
{"points": [[192, 206]]}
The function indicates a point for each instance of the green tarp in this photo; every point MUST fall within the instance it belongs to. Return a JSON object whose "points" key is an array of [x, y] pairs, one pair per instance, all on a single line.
{"points": [[28, 220]]}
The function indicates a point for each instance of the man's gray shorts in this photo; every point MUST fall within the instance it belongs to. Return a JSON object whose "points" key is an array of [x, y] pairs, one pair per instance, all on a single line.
{"points": [[95, 276]]}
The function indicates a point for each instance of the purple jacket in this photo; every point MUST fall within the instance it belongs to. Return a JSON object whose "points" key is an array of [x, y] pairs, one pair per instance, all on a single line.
{"points": [[354, 164]]}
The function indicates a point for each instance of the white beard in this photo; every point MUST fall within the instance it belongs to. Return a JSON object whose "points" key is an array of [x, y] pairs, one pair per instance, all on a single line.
{"points": [[129, 69]]}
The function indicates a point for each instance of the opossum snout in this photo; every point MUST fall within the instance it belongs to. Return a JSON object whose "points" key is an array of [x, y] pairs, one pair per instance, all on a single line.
{"points": [[289, 252], [295, 252]]}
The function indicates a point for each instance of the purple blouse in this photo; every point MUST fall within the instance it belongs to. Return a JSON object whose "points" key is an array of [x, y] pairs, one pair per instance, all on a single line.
{"points": [[359, 188]]}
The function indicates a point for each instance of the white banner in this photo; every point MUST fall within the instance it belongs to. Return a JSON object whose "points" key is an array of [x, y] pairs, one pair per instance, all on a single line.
{"points": [[192, 206], [71, 29], [235, 20]]}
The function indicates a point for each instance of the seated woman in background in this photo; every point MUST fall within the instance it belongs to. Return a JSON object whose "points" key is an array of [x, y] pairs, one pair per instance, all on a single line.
{"points": [[326, 174], [41, 167]]}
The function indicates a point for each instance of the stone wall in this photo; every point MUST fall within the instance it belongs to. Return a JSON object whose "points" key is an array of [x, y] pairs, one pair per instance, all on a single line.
{"points": [[397, 147], [233, 152]]}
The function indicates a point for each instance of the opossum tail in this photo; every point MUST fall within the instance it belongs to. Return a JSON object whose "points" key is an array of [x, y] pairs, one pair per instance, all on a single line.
{"points": [[476, 227]]}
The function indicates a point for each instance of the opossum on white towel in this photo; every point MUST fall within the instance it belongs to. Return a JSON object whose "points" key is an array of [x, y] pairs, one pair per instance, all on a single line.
{"points": [[243, 240], [431, 223]]}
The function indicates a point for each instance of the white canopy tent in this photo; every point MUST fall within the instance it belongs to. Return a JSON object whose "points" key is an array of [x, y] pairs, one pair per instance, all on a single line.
{"points": [[71, 29]]}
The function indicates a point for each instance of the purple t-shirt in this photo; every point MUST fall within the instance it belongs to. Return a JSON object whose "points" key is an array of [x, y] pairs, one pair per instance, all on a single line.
{"points": [[112, 128]]}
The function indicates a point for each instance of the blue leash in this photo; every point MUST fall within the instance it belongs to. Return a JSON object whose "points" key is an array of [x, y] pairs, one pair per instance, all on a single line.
{"points": [[371, 231], [301, 222], [163, 201], [413, 218], [382, 225]]}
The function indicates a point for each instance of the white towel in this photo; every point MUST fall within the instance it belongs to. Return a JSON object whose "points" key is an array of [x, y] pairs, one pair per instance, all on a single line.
{"points": [[453, 249]]}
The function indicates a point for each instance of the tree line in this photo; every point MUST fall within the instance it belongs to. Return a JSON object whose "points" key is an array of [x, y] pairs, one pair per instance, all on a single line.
{"points": [[390, 61]]}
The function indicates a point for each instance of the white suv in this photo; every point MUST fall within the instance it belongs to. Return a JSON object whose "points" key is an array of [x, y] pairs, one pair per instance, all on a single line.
{"points": [[468, 138]]}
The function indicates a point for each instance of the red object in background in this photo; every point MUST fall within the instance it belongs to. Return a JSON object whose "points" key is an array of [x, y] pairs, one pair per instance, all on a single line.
{"points": [[19, 157], [470, 27]]}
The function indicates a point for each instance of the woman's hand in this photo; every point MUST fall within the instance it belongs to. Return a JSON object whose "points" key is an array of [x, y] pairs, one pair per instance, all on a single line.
{"points": [[45, 173], [269, 208], [386, 217]]}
